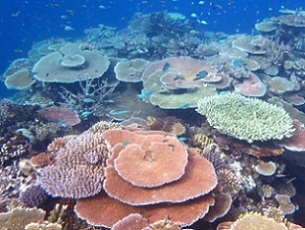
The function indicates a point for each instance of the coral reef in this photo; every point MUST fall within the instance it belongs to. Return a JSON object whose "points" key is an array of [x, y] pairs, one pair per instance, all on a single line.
{"points": [[103, 130]]}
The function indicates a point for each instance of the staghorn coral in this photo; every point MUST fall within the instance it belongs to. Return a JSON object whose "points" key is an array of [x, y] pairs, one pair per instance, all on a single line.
{"points": [[90, 97], [246, 118]]}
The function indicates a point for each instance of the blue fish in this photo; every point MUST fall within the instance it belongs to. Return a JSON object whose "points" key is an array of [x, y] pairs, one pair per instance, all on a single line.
{"points": [[200, 75], [126, 142], [238, 63], [85, 113], [185, 106], [115, 112], [182, 139], [166, 66], [145, 94], [62, 123]]}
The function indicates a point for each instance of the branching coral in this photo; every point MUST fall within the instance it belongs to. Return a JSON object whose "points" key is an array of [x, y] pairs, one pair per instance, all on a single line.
{"points": [[246, 118], [91, 98], [64, 177]]}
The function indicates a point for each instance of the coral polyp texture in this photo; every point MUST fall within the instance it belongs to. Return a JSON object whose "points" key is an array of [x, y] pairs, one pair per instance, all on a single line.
{"points": [[246, 118], [78, 168]]}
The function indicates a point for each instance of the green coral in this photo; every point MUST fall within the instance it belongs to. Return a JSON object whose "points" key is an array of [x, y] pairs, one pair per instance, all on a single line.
{"points": [[246, 118]]}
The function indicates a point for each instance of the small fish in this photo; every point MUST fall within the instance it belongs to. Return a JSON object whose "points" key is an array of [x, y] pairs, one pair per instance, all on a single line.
{"points": [[18, 51], [115, 112], [225, 92], [71, 110], [203, 22], [69, 28], [238, 63], [150, 120], [88, 100], [145, 94], [15, 14], [166, 66], [179, 77], [200, 75], [62, 123], [193, 15], [126, 142], [182, 139], [85, 113], [185, 106], [101, 7], [64, 17], [201, 2]]}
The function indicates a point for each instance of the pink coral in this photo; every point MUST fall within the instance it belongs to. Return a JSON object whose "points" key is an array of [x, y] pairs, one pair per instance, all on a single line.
{"points": [[297, 141], [64, 116], [251, 86]]}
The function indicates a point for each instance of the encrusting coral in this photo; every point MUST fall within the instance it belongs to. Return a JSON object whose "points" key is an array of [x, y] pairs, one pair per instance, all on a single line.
{"points": [[245, 118]]}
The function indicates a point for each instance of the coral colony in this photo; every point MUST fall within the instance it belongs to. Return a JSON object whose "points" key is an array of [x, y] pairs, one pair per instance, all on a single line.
{"points": [[154, 127]]}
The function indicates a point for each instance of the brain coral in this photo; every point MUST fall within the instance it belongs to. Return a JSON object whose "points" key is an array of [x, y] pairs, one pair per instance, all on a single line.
{"points": [[245, 118]]}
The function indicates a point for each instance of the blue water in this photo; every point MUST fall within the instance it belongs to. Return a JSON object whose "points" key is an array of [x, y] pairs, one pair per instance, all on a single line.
{"points": [[26, 22]]}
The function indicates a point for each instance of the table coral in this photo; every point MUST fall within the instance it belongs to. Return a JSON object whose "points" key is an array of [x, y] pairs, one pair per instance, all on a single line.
{"points": [[54, 67], [124, 194]]}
